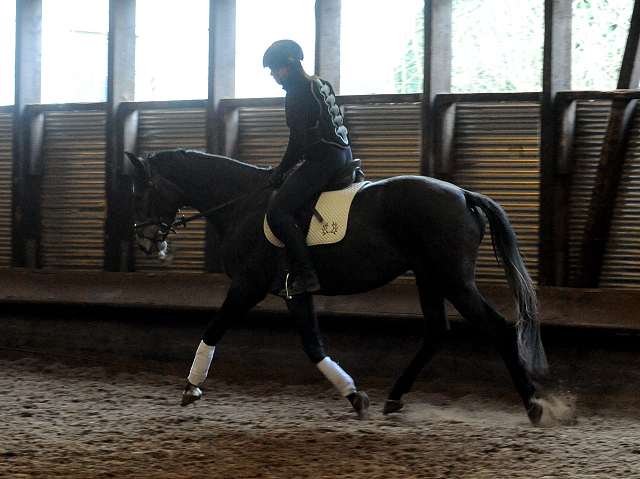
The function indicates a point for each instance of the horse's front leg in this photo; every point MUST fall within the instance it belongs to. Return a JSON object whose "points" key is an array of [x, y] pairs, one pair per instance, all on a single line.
{"points": [[301, 307], [237, 303]]}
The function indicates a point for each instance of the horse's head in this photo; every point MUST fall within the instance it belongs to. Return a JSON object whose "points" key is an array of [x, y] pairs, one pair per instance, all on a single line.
{"points": [[157, 200]]}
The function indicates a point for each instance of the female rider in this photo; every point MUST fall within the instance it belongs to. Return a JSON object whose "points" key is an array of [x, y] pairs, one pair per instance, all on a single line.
{"points": [[319, 137]]}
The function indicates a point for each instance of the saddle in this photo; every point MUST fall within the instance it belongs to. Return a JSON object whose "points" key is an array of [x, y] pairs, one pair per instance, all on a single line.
{"points": [[351, 173], [345, 183], [348, 176]]}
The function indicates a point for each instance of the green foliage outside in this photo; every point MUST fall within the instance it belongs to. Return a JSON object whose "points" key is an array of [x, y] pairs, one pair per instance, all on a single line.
{"points": [[498, 46], [599, 38]]}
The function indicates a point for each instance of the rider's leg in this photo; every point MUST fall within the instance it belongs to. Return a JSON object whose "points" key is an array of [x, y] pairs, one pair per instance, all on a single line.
{"points": [[303, 183], [304, 273]]}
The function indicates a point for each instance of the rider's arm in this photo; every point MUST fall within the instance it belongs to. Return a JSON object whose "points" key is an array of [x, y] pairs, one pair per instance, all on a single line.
{"points": [[296, 110]]}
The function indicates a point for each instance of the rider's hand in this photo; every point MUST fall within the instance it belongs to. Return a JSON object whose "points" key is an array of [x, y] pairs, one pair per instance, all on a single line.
{"points": [[277, 177]]}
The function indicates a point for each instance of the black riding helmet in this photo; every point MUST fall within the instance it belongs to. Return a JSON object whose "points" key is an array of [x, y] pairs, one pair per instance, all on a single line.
{"points": [[283, 53]]}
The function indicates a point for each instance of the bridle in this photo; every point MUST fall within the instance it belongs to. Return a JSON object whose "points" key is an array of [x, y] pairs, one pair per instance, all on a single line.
{"points": [[170, 228], [164, 228]]}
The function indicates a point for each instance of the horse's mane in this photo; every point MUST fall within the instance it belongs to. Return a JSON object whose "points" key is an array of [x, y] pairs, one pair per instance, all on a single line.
{"points": [[186, 158], [205, 174], [196, 163]]}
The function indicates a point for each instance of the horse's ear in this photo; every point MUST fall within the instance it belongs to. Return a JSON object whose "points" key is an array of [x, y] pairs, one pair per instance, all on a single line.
{"points": [[135, 161]]}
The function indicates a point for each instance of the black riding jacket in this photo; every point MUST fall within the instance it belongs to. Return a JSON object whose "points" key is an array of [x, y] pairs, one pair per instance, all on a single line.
{"points": [[312, 117]]}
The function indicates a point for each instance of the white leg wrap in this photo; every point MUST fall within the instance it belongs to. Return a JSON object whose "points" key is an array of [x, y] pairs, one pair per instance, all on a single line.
{"points": [[336, 375], [201, 363]]}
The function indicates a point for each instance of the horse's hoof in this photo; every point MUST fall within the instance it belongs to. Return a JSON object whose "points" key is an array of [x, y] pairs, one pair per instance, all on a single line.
{"points": [[534, 411], [392, 405], [361, 403], [190, 394]]}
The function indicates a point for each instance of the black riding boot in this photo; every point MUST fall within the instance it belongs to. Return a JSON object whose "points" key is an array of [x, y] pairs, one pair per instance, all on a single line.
{"points": [[305, 276]]}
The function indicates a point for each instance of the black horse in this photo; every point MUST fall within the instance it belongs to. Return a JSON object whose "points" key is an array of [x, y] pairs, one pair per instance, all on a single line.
{"points": [[405, 223]]}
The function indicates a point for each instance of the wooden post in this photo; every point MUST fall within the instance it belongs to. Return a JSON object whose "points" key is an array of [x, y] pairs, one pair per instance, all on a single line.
{"points": [[120, 87], [222, 66], [25, 210], [328, 21], [556, 76], [437, 76], [222, 77]]}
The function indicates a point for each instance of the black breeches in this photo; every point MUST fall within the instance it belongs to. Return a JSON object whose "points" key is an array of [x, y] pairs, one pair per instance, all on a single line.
{"points": [[305, 182]]}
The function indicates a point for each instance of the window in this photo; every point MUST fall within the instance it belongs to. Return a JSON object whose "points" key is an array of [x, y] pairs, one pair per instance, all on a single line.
{"points": [[258, 25], [381, 50], [7, 52], [497, 46], [599, 36], [172, 50], [74, 50]]}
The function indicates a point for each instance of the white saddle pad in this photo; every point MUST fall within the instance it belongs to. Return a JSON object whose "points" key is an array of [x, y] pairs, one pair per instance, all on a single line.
{"points": [[334, 207]]}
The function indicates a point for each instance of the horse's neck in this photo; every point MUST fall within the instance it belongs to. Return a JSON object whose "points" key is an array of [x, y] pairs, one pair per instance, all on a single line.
{"points": [[218, 186], [210, 180]]}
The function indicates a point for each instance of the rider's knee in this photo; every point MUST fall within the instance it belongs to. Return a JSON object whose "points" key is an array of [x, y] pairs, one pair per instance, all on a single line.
{"points": [[276, 215]]}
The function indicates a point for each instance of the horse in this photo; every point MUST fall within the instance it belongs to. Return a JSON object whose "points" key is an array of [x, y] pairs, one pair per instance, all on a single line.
{"points": [[400, 224]]}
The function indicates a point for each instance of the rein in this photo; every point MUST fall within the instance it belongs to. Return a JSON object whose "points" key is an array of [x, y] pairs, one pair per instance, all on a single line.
{"points": [[184, 220]]}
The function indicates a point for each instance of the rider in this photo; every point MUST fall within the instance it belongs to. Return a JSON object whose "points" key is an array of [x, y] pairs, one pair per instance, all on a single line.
{"points": [[318, 136]]}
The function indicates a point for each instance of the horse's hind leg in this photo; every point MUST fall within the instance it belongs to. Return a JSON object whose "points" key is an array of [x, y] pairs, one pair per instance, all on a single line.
{"points": [[302, 309], [473, 307], [436, 326]]}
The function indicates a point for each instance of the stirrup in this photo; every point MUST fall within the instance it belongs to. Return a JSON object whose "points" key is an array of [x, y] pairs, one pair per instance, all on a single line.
{"points": [[309, 285], [190, 394]]}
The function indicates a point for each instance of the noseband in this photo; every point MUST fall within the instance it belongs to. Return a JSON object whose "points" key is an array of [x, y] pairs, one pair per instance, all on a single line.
{"points": [[154, 182]]}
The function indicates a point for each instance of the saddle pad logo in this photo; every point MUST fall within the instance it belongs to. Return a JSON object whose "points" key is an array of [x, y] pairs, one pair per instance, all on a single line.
{"points": [[334, 207]]}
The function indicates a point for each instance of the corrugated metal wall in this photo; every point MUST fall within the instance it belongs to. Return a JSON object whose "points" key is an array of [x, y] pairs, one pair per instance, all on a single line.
{"points": [[497, 149], [386, 137], [497, 154], [590, 124], [621, 266], [6, 167], [262, 135], [167, 129], [73, 190]]}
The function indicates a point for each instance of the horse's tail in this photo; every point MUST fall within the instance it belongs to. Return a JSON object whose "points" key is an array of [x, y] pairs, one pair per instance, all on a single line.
{"points": [[505, 246]]}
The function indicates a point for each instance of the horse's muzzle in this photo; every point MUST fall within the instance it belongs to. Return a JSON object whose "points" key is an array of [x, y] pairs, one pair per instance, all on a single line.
{"points": [[151, 240]]}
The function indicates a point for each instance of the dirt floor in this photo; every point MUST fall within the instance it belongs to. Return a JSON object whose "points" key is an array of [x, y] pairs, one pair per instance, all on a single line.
{"points": [[267, 413]]}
